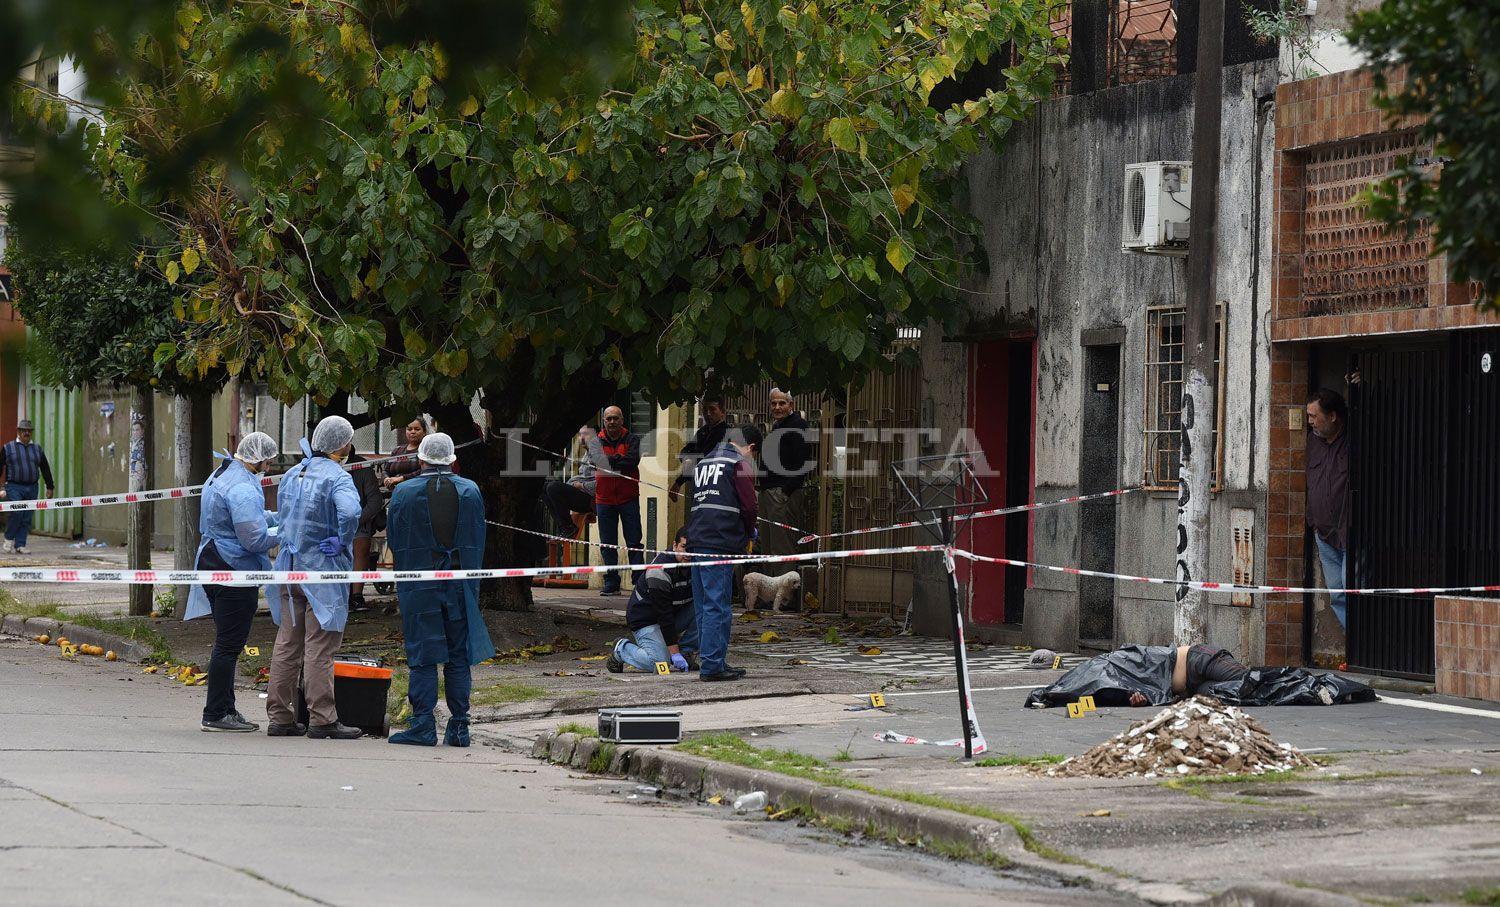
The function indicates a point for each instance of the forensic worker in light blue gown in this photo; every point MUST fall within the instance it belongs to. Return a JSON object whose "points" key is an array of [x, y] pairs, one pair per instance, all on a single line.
{"points": [[436, 522], [237, 532], [318, 509]]}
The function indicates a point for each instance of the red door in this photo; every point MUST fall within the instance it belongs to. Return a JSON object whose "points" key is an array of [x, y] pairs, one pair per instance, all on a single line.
{"points": [[999, 370]]}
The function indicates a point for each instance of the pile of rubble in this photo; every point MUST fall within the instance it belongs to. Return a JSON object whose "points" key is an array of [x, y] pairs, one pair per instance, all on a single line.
{"points": [[1198, 736]]}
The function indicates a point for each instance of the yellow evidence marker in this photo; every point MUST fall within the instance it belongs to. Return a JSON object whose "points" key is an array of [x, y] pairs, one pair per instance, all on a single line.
{"points": [[663, 667], [1086, 703], [252, 651], [1056, 662], [1076, 710], [877, 700]]}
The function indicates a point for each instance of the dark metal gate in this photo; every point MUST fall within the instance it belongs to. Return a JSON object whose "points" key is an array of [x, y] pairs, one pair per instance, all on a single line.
{"points": [[1424, 495]]}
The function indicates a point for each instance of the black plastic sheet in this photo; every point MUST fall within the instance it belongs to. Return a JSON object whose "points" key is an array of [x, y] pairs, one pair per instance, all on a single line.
{"points": [[1112, 678]]}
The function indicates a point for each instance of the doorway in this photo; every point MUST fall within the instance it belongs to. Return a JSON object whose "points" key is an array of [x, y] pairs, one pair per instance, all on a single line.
{"points": [[1002, 381], [1098, 470]]}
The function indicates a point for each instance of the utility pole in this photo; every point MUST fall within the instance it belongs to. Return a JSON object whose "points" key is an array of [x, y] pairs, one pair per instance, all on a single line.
{"points": [[141, 469], [1190, 622]]}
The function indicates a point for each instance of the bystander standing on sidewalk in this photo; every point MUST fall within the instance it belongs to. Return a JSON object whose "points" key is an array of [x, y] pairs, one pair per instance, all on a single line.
{"points": [[617, 499], [1328, 490], [708, 436], [783, 483], [22, 463], [722, 510]]}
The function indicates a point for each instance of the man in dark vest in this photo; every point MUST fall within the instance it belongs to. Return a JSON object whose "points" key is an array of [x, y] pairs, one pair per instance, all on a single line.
{"points": [[22, 464], [721, 520], [437, 523]]}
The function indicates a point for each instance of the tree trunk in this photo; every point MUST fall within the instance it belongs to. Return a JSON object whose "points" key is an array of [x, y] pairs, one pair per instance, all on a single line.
{"points": [[185, 510], [142, 470]]}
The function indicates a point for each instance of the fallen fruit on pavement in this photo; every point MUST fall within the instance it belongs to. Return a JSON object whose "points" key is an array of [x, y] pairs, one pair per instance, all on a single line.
{"points": [[91, 650], [111, 656], [869, 650], [770, 636], [1096, 814], [149, 669], [752, 616], [44, 639], [62, 642]]}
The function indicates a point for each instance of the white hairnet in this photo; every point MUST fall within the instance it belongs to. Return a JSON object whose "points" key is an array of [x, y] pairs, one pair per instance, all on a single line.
{"points": [[436, 448], [332, 434], [257, 447]]}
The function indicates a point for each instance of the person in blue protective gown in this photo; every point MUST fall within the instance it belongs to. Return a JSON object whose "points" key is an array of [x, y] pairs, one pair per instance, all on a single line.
{"points": [[318, 509], [237, 532], [436, 522]]}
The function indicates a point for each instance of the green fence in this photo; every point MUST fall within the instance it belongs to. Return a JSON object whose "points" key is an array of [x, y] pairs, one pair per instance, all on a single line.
{"points": [[58, 415]]}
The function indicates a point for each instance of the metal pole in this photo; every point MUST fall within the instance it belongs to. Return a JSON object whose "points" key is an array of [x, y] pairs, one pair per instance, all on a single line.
{"points": [[1198, 453], [960, 656]]}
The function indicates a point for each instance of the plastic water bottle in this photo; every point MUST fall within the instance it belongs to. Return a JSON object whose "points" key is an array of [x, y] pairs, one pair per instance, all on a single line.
{"points": [[749, 802]]}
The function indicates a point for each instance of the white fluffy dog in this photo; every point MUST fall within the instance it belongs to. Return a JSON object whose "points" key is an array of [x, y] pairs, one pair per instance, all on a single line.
{"points": [[776, 589]]}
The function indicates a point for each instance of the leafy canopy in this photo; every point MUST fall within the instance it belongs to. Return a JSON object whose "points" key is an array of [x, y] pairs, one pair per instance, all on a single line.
{"points": [[760, 190], [1450, 51]]}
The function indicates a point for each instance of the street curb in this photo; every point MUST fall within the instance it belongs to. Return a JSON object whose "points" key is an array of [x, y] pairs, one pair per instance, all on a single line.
{"points": [[1273, 895], [26, 627], [702, 779]]}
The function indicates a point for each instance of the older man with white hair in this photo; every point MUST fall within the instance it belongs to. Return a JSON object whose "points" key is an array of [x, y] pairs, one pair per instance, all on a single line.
{"points": [[786, 461]]}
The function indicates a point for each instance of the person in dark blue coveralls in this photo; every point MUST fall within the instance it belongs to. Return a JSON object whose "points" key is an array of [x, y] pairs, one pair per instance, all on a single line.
{"points": [[436, 522]]}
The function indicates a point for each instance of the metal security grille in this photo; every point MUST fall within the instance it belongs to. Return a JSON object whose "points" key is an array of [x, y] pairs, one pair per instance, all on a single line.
{"points": [[1062, 27], [1350, 263], [1165, 368], [1143, 41], [1474, 452], [1397, 526]]}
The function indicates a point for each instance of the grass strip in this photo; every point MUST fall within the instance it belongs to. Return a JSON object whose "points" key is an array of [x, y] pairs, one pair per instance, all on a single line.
{"points": [[733, 749]]}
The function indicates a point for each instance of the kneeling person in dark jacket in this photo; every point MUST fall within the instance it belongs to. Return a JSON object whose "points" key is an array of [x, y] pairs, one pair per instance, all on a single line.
{"points": [[660, 614]]}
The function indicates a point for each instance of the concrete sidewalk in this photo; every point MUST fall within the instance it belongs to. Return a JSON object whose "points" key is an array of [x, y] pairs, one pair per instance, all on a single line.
{"points": [[103, 600], [1404, 809]]}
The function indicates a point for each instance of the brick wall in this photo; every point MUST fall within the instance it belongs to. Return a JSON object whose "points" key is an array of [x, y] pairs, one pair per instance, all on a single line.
{"points": [[1468, 647], [1337, 274]]}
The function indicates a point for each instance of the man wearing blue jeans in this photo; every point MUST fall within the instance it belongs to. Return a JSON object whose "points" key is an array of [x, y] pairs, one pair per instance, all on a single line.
{"points": [[721, 521], [660, 616], [616, 455], [1328, 490], [22, 464]]}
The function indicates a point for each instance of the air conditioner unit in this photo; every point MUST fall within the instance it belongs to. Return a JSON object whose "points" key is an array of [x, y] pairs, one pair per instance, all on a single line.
{"points": [[1156, 207]]}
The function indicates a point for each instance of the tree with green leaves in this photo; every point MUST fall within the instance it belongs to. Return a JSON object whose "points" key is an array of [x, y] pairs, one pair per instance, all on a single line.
{"points": [[758, 190], [1446, 54]]}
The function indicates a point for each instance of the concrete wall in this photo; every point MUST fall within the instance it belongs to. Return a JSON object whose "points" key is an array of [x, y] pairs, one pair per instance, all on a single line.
{"points": [[106, 450], [1050, 203]]}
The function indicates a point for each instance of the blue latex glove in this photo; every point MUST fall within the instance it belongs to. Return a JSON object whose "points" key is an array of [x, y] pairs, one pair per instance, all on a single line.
{"points": [[678, 662], [330, 546]]}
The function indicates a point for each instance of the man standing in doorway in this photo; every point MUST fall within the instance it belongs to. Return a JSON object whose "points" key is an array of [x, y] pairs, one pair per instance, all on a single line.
{"points": [[721, 520], [617, 499], [22, 463], [1328, 490], [783, 486]]}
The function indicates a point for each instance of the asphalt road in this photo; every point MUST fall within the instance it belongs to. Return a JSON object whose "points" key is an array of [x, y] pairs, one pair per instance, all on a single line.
{"points": [[111, 794]]}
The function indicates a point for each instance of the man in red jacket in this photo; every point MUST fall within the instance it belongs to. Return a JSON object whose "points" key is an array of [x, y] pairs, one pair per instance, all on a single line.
{"points": [[617, 494]]}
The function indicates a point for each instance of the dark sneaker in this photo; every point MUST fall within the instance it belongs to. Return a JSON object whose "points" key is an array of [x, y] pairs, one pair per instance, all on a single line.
{"points": [[233, 723], [285, 730], [357, 603], [335, 731], [608, 593], [614, 665]]}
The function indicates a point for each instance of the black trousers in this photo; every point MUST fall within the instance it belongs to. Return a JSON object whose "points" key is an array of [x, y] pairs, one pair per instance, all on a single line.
{"points": [[233, 609], [564, 500]]}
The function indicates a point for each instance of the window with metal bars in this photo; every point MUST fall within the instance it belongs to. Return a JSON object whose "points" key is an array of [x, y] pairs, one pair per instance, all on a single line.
{"points": [[1166, 368]]}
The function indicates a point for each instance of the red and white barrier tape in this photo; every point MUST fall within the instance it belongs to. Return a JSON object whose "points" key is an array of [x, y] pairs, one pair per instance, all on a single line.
{"points": [[980, 745], [168, 494], [306, 577], [1209, 586], [978, 515]]}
